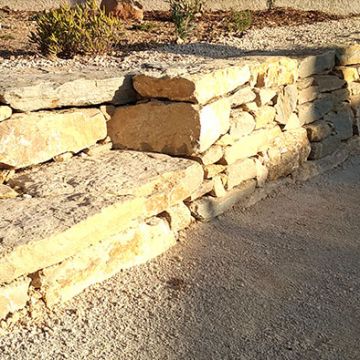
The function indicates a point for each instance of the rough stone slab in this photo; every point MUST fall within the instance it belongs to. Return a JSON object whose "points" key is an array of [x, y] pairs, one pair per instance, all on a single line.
{"points": [[354, 88], [342, 121], [219, 188], [287, 153], [286, 104], [349, 74], [349, 55], [99, 262], [212, 170], [28, 139], [313, 111], [13, 296], [170, 128], [239, 172], [293, 122], [205, 188], [250, 145], [264, 116], [53, 91], [308, 94], [318, 130], [241, 124], [264, 96], [178, 217], [6, 192], [324, 148], [242, 96], [199, 87], [326, 83], [208, 207], [210, 156], [317, 64], [77, 204], [5, 112]]}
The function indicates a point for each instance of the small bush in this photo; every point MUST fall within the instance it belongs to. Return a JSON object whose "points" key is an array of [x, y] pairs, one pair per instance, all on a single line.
{"points": [[83, 29], [240, 21], [183, 15]]}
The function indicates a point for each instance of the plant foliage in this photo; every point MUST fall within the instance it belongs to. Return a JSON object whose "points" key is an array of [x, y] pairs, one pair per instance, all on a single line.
{"points": [[240, 21]]}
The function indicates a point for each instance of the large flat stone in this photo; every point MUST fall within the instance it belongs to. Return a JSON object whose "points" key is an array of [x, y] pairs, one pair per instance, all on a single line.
{"points": [[200, 86], [324, 147], [77, 204], [312, 111], [342, 120], [318, 130], [349, 55], [172, 128], [317, 64], [52, 91], [28, 139], [326, 83], [99, 262]]}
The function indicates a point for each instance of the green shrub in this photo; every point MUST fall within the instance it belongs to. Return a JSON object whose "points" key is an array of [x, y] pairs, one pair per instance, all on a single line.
{"points": [[183, 15], [240, 21], [83, 29]]}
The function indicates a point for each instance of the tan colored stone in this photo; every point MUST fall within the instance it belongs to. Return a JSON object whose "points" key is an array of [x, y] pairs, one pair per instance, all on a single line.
{"points": [[197, 88], [242, 96], [28, 139], [287, 153], [63, 157], [239, 172], [286, 104], [324, 148], [311, 112], [178, 217], [354, 88], [265, 115], [5, 112], [77, 204], [99, 149], [318, 130], [210, 156], [262, 173], [340, 95], [317, 64], [241, 124], [208, 207], [355, 105], [264, 96], [205, 188], [123, 9], [212, 170], [6, 192], [348, 55], [219, 189], [99, 262], [293, 122], [13, 296], [250, 145], [250, 107], [171, 128], [349, 74], [308, 94], [6, 175], [303, 84]]}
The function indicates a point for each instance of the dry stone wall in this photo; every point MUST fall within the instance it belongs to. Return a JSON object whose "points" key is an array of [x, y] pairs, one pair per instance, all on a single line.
{"points": [[108, 182]]}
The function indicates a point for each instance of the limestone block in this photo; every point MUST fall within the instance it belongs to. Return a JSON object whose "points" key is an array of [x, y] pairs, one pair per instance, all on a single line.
{"points": [[242, 96], [303, 84], [262, 172], [313, 111], [264, 115], [286, 104], [324, 147], [171, 128], [6, 175], [354, 88], [326, 83], [13, 296], [199, 88], [5, 112], [287, 153], [340, 95], [208, 207], [349, 74], [28, 139], [239, 172], [342, 120], [250, 145], [293, 122], [178, 217], [30, 92], [205, 188], [77, 204], [348, 55], [264, 96], [318, 130], [308, 94], [6, 192], [210, 156], [317, 64], [219, 188], [213, 169], [241, 124], [99, 262]]}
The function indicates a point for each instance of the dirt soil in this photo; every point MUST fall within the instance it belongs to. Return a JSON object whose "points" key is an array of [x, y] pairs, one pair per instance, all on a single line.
{"points": [[278, 281], [156, 28]]}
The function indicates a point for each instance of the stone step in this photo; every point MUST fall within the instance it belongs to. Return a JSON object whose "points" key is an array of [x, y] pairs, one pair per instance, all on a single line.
{"points": [[71, 206]]}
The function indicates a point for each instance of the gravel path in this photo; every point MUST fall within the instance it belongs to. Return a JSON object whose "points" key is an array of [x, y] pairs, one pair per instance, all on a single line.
{"points": [[278, 281], [266, 41]]}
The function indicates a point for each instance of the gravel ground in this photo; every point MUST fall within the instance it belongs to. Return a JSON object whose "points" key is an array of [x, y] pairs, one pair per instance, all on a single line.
{"points": [[278, 281], [266, 41]]}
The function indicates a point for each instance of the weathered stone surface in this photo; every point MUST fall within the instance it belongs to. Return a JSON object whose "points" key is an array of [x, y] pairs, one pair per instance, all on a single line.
{"points": [[250, 145], [98, 149], [5, 112], [13, 296], [308, 94], [178, 217], [51, 91], [264, 96], [171, 128], [123, 9], [6, 192], [355, 105], [241, 124], [208, 207], [219, 188], [286, 104], [326, 83], [6, 175], [77, 204], [354, 88], [340, 95], [349, 55], [317, 64], [200, 87], [318, 130], [349, 74], [239, 172], [213, 169], [262, 172], [205, 188], [28, 139], [264, 115], [324, 148], [311, 112], [293, 122], [210, 156], [342, 120], [303, 84], [242, 96], [99, 262], [63, 157], [287, 153]]}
